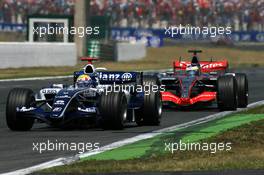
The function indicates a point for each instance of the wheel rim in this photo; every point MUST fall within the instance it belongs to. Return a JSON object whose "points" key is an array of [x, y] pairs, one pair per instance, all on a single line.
{"points": [[124, 115], [159, 106], [160, 110]]}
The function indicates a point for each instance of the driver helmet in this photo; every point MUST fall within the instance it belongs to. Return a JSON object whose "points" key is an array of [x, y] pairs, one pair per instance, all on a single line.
{"points": [[84, 81], [192, 70]]}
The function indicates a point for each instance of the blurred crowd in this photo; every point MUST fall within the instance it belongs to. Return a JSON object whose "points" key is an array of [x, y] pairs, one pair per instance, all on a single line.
{"points": [[240, 14], [16, 11]]}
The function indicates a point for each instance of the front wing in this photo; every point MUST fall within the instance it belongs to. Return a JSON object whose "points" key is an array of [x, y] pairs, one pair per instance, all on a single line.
{"points": [[203, 97]]}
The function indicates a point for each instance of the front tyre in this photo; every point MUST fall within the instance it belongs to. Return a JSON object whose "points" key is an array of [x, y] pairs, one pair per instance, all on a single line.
{"points": [[242, 90], [19, 97], [227, 93]]}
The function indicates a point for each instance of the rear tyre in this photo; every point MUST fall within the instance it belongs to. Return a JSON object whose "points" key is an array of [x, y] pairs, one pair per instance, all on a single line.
{"points": [[113, 110], [151, 111], [227, 93], [19, 97], [150, 80], [242, 90]]}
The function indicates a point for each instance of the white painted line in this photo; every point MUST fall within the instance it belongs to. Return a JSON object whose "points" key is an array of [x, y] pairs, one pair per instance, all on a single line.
{"points": [[66, 76], [37, 78], [69, 160]]}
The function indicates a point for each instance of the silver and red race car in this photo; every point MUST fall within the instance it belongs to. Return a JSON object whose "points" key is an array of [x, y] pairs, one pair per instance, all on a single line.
{"points": [[197, 82]]}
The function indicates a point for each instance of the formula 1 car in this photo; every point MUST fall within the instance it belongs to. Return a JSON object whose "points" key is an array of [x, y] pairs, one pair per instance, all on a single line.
{"points": [[93, 98], [200, 83]]}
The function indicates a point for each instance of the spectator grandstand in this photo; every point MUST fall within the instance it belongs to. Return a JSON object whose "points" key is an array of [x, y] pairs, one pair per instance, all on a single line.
{"points": [[242, 15]]}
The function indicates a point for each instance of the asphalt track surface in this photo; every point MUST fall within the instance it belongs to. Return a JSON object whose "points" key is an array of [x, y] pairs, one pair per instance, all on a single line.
{"points": [[16, 147]]}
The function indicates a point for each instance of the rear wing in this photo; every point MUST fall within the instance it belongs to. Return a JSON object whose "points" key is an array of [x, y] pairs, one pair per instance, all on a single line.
{"points": [[206, 66], [89, 60]]}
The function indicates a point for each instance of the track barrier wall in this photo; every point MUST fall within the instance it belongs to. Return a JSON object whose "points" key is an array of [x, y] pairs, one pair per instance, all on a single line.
{"points": [[116, 51], [17, 55]]}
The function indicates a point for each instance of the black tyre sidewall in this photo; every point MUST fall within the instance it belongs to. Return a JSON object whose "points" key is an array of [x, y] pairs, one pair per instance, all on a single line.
{"points": [[152, 105], [19, 97], [227, 93], [112, 108], [150, 79], [149, 113], [242, 90]]}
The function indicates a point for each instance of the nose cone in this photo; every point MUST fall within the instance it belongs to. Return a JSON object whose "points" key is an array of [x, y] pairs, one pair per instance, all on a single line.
{"points": [[185, 101], [186, 85]]}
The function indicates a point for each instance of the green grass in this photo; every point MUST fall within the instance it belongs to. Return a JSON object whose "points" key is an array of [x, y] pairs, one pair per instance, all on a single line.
{"points": [[12, 37], [153, 146], [245, 132], [157, 58]]}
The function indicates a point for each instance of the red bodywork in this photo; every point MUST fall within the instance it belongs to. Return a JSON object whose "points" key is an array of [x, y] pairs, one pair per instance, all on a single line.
{"points": [[206, 96], [206, 66], [89, 59], [203, 97]]}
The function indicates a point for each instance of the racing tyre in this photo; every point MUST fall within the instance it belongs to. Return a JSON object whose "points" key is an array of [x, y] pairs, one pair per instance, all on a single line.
{"points": [[151, 111], [150, 80], [227, 93], [19, 97], [113, 110], [242, 90]]}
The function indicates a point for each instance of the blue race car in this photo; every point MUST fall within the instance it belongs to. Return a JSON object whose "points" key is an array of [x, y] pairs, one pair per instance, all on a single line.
{"points": [[97, 96]]}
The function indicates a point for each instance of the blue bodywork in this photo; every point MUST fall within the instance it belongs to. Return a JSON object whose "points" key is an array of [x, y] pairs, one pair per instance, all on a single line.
{"points": [[60, 104]]}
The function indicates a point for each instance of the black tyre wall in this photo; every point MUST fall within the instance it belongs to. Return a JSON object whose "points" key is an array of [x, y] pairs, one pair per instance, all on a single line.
{"points": [[150, 79], [151, 111], [242, 90], [227, 92], [19, 97], [112, 107]]}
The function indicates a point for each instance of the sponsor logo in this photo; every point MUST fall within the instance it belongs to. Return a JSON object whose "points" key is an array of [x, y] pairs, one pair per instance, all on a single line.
{"points": [[126, 77], [109, 77], [88, 110], [115, 77], [57, 109], [204, 66], [63, 96], [58, 86], [24, 109], [49, 91], [260, 37], [59, 102], [212, 65], [89, 93]]}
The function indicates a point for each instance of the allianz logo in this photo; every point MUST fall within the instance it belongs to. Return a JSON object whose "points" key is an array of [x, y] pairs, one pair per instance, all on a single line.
{"points": [[115, 76]]}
